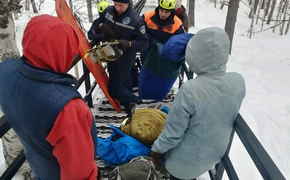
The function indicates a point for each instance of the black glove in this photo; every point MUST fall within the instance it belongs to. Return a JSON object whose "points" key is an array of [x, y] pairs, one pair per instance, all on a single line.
{"points": [[123, 44], [108, 33], [157, 160]]}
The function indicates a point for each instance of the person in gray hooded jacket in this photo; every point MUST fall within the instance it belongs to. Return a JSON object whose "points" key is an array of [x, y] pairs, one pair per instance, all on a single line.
{"points": [[198, 127]]}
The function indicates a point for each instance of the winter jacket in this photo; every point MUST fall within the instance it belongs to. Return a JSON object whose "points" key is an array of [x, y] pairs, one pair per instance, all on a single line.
{"points": [[53, 123], [162, 31], [120, 148], [129, 26], [181, 14], [198, 127], [161, 67]]}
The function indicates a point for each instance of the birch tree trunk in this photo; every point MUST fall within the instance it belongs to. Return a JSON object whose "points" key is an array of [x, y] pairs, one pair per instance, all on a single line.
{"points": [[33, 6], [262, 4], [284, 17], [8, 47], [90, 12], [278, 15], [223, 4], [287, 27], [271, 12], [251, 30], [267, 4], [254, 9], [191, 8], [27, 3], [258, 14], [231, 20], [267, 8]]}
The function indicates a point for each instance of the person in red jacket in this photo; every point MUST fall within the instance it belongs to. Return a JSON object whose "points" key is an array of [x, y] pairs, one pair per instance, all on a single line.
{"points": [[52, 121]]}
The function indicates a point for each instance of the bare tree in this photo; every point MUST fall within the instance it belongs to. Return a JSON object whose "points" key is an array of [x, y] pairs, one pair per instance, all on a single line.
{"points": [[251, 29], [191, 8], [262, 4], [258, 14], [267, 4], [27, 3], [279, 13], [231, 20], [8, 47], [287, 27], [33, 6], [284, 17], [271, 12], [254, 9], [223, 3], [90, 12], [267, 8]]}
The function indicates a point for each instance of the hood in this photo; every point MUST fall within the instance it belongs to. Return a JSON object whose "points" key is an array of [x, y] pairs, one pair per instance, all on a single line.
{"points": [[49, 43], [207, 52]]}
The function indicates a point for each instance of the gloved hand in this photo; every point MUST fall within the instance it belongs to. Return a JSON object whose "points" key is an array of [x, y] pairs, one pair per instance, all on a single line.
{"points": [[157, 160], [108, 33], [123, 44]]}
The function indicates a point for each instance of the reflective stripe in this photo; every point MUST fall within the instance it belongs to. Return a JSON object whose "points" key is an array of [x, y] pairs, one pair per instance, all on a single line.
{"points": [[110, 18]]}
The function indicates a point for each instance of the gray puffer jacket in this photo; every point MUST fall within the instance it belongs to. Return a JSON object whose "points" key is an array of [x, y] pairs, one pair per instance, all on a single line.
{"points": [[198, 127]]}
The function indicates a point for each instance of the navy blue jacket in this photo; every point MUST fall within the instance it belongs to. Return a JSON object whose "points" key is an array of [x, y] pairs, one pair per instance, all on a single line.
{"points": [[47, 93], [129, 26]]}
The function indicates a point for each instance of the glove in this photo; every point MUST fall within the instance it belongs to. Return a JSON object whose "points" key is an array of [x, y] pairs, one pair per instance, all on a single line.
{"points": [[108, 33], [157, 160], [123, 44]]}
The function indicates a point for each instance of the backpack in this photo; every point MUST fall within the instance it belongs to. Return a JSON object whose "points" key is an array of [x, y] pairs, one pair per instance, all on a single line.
{"points": [[139, 168]]}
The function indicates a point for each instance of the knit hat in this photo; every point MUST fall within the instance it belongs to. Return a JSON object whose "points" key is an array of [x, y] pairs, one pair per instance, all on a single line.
{"points": [[122, 1], [145, 125]]}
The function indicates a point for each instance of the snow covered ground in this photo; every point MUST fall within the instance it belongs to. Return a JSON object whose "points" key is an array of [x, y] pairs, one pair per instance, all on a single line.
{"points": [[264, 61]]}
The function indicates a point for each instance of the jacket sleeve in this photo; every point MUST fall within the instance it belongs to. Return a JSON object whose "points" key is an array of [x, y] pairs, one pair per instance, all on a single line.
{"points": [[94, 33], [73, 145], [140, 39], [184, 18], [176, 122]]}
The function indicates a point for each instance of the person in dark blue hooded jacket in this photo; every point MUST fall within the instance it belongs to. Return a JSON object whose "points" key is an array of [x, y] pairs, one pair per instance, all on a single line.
{"points": [[37, 96], [122, 23]]}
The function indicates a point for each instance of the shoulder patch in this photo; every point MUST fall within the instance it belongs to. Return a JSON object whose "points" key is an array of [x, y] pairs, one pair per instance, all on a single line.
{"points": [[142, 29], [169, 28]]}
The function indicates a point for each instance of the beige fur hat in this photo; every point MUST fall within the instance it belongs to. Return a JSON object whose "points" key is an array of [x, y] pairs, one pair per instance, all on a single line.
{"points": [[178, 4]]}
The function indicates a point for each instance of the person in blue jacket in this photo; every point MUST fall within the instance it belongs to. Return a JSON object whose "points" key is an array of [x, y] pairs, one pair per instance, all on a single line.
{"points": [[42, 105], [122, 23], [158, 73], [198, 127]]}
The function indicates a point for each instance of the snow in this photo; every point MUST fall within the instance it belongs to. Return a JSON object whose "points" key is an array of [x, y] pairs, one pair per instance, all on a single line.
{"points": [[264, 62]]}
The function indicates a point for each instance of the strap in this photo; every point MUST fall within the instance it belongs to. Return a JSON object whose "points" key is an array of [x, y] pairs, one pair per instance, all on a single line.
{"points": [[100, 48]]}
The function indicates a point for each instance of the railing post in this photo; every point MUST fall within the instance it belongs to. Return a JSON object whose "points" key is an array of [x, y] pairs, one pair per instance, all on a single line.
{"points": [[258, 154], [88, 86]]}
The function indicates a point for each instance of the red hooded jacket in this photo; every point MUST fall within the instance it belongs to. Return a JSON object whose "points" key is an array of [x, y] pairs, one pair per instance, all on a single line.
{"points": [[49, 43]]}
